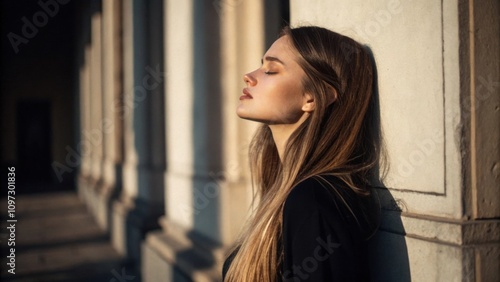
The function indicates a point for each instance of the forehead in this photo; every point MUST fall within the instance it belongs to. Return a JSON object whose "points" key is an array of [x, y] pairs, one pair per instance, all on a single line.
{"points": [[283, 49]]}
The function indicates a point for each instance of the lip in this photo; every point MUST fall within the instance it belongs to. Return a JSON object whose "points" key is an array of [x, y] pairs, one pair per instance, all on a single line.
{"points": [[246, 95]]}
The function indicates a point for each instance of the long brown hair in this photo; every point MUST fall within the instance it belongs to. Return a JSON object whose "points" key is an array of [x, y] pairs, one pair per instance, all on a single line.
{"points": [[337, 139]]}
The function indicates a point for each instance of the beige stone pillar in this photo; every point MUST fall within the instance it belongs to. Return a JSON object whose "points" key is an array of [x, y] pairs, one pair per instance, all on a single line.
{"points": [[141, 200], [209, 46], [89, 147], [92, 135], [191, 224], [83, 146], [436, 62], [110, 125], [95, 133], [481, 113]]}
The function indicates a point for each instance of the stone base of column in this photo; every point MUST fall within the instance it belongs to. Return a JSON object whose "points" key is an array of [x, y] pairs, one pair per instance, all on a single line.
{"points": [[82, 186], [105, 194], [175, 254], [104, 197], [91, 191], [94, 185], [437, 249], [87, 190], [130, 223]]}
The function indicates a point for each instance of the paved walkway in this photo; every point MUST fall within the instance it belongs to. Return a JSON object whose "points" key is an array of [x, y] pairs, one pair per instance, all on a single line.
{"points": [[58, 240]]}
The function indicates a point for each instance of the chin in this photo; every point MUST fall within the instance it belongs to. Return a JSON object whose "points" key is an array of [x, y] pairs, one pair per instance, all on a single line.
{"points": [[244, 115], [240, 111]]}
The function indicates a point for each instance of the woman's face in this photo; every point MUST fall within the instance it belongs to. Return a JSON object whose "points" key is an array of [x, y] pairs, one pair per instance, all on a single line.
{"points": [[274, 92]]}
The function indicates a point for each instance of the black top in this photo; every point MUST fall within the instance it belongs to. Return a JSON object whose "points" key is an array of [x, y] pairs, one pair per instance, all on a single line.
{"points": [[324, 232]]}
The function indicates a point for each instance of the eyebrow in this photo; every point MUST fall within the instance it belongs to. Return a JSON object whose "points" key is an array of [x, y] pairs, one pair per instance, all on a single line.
{"points": [[272, 59]]}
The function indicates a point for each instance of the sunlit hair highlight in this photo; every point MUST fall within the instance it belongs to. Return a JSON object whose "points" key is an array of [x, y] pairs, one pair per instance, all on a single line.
{"points": [[337, 139]]}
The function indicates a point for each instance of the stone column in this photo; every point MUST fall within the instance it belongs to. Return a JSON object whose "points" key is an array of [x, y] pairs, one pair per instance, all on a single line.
{"points": [[141, 200], [83, 146], [92, 135], [480, 99], [208, 193], [440, 122], [90, 138], [111, 110], [95, 133], [191, 223]]}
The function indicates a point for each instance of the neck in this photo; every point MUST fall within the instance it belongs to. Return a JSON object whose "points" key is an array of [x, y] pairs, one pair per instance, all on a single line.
{"points": [[282, 132]]}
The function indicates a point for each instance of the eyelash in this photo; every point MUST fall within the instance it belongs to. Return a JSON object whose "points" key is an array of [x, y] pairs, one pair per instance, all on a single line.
{"points": [[270, 72]]}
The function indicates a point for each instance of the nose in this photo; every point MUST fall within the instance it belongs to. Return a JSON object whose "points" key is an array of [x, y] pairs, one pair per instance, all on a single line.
{"points": [[249, 79]]}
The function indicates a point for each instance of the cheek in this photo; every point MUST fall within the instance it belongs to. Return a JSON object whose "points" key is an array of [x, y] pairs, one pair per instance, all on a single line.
{"points": [[289, 102], [292, 94]]}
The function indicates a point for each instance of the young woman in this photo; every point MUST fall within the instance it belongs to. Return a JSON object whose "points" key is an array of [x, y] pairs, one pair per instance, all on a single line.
{"points": [[311, 160]]}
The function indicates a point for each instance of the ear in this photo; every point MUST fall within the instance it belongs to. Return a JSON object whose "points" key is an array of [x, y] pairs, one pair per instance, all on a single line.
{"points": [[309, 104], [333, 95]]}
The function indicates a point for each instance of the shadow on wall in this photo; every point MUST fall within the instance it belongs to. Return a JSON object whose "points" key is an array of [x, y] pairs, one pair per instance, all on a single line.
{"points": [[388, 250], [388, 253]]}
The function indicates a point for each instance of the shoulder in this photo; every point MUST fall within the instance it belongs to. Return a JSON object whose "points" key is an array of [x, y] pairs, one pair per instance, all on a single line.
{"points": [[306, 195], [319, 194], [329, 199]]}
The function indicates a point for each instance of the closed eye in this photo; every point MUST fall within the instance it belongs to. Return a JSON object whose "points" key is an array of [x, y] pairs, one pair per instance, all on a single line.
{"points": [[270, 72]]}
